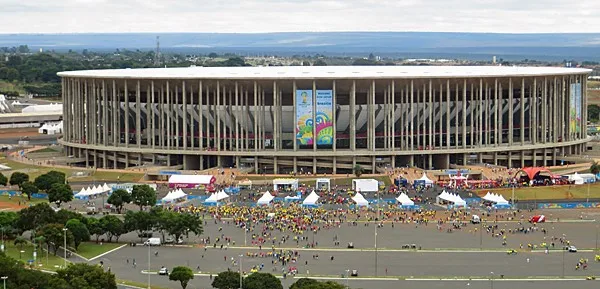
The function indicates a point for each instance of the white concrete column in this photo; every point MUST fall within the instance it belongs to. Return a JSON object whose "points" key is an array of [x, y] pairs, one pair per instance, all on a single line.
{"points": [[295, 141], [411, 145], [275, 113], [448, 129], [430, 115], [464, 115], [352, 116], [255, 108], [217, 124], [237, 123], [393, 118], [138, 117], [314, 116], [201, 118], [152, 116], [184, 109], [126, 113], [500, 114], [334, 119]]}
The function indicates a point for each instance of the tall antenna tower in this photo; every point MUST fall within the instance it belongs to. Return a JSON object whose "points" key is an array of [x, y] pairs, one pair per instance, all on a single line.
{"points": [[157, 52]]}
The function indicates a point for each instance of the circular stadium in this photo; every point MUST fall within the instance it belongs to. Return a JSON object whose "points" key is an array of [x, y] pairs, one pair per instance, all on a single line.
{"points": [[324, 119]]}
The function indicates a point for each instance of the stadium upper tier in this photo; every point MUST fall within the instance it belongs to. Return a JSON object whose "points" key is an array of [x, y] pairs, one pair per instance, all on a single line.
{"points": [[325, 72]]}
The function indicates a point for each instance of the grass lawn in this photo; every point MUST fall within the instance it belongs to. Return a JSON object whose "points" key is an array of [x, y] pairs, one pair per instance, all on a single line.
{"points": [[9, 86], [138, 284], [46, 150], [91, 249], [549, 193], [15, 200], [32, 170], [51, 263]]}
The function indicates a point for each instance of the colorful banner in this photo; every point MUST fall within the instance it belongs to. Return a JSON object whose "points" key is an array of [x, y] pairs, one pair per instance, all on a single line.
{"points": [[304, 121], [324, 117], [575, 108]]}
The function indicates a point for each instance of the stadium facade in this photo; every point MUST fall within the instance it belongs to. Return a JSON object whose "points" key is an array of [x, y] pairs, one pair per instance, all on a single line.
{"points": [[324, 119]]}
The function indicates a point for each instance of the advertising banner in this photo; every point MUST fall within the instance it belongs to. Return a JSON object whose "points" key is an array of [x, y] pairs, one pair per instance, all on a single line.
{"points": [[304, 121], [575, 108], [324, 117]]}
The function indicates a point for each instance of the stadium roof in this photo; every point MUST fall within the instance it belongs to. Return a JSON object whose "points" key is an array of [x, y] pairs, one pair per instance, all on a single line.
{"points": [[324, 72]]}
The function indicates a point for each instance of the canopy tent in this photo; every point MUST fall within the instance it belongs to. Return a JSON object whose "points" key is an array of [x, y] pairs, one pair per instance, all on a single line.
{"points": [[424, 180], [323, 184], [106, 188], [360, 200], [576, 179], [588, 178], [212, 199], [404, 200], [532, 172], [311, 200], [245, 184], [221, 195], [190, 181], [174, 195], [495, 198], [265, 199], [282, 184], [452, 198]]}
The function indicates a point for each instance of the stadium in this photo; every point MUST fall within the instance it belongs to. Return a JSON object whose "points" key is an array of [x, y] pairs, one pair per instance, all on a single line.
{"points": [[324, 119]]}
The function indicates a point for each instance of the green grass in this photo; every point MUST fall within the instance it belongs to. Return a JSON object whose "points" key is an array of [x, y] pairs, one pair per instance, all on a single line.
{"points": [[23, 200], [112, 176], [46, 150], [32, 170], [52, 263], [90, 250], [9, 86], [549, 193]]}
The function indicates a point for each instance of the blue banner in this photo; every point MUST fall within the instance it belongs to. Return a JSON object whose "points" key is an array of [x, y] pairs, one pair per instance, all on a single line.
{"points": [[324, 117]]}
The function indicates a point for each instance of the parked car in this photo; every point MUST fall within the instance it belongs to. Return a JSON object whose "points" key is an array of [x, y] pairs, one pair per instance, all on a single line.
{"points": [[163, 271], [171, 240], [571, 249], [538, 219], [354, 273], [152, 242]]}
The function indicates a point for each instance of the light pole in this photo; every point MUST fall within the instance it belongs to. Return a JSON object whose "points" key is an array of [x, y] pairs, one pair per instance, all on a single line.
{"points": [[2, 249], [347, 278], [149, 263], [491, 280], [245, 233], [4, 280], [65, 246], [376, 225], [587, 200], [241, 271]]}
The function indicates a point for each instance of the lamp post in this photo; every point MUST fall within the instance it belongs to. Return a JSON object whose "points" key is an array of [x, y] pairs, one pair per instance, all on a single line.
{"points": [[491, 280], [241, 271], [376, 225], [65, 246], [4, 280], [149, 266], [347, 278], [2, 249], [245, 233]]}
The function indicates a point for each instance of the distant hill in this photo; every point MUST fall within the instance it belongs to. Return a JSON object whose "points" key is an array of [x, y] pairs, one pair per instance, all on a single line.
{"points": [[553, 46]]}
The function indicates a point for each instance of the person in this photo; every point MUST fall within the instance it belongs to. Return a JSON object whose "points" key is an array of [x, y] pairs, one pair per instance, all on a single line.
{"points": [[156, 253]]}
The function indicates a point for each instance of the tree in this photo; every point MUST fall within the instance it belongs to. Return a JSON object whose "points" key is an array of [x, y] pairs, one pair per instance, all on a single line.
{"points": [[28, 188], [54, 236], [119, 198], [593, 112], [595, 168], [60, 193], [183, 223], [227, 280], [20, 241], [143, 195], [81, 275], [307, 283], [95, 228], [44, 182], [320, 62], [79, 230], [35, 216], [358, 171], [182, 274], [262, 281], [3, 179], [17, 178], [139, 221], [8, 221], [63, 216], [113, 227]]}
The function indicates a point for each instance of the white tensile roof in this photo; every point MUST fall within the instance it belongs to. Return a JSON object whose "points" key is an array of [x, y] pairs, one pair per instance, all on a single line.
{"points": [[190, 179], [323, 72], [265, 199], [311, 199]]}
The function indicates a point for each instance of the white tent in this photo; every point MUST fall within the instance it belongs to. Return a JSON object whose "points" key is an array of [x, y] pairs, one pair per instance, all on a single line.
{"points": [[495, 198], [404, 200], [311, 200], [576, 179], [424, 179], [222, 195], [265, 199], [323, 184], [106, 188], [212, 199], [452, 198], [81, 193], [190, 181], [360, 200], [365, 185], [174, 195], [285, 183]]}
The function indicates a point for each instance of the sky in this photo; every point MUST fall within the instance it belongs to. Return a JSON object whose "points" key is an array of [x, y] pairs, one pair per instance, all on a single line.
{"points": [[252, 16]]}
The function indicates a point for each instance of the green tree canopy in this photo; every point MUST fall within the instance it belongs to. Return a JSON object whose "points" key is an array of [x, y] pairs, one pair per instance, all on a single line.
{"points": [[182, 274], [8, 223], [95, 228], [143, 195], [35, 216], [307, 283], [44, 182], [227, 280], [595, 168], [118, 198], [17, 178], [54, 236], [358, 171], [113, 227], [139, 221], [81, 275], [28, 188], [262, 281], [79, 230], [60, 193], [180, 224], [3, 180]]}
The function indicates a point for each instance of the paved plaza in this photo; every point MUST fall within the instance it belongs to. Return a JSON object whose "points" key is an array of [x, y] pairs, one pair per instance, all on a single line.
{"points": [[463, 254]]}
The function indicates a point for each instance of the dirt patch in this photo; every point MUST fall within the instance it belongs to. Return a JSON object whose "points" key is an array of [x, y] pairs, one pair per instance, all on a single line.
{"points": [[11, 206], [10, 133]]}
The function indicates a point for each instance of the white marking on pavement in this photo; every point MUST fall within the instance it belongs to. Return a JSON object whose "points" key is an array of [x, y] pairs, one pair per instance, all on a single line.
{"points": [[107, 252]]}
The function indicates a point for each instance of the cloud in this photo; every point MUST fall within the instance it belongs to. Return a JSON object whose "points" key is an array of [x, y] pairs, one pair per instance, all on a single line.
{"points": [[245, 16]]}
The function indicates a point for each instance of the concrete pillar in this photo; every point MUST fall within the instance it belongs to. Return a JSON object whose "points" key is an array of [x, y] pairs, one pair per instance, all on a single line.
{"points": [[314, 161], [314, 118], [126, 113], [429, 162], [534, 158], [448, 128], [217, 124], [411, 161], [509, 159], [275, 166], [545, 157], [295, 162], [495, 158], [275, 113], [411, 145], [430, 117], [511, 106], [522, 159], [237, 123], [373, 165], [184, 109], [501, 114], [255, 116], [464, 114], [115, 160], [522, 113], [352, 117], [393, 117], [201, 119], [471, 112], [534, 113], [334, 171]]}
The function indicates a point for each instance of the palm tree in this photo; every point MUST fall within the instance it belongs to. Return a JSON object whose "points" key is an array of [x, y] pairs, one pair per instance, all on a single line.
{"points": [[358, 171], [20, 241]]}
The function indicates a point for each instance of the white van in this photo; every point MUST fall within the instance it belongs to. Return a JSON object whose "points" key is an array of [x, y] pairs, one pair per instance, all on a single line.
{"points": [[475, 219], [152, 242]]}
